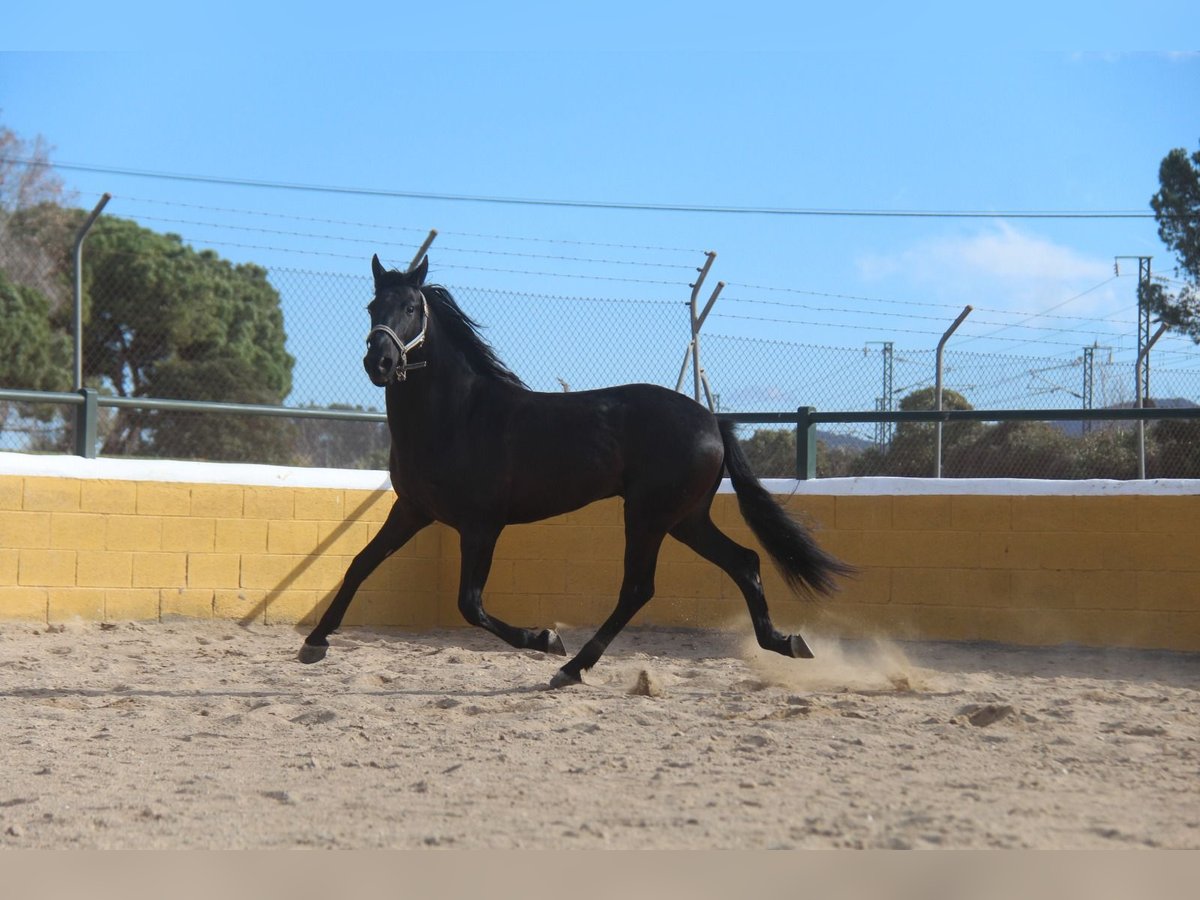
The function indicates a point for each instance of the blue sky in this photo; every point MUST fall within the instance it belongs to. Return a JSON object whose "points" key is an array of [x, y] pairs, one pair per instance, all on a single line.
{"points": [[745, 107]]}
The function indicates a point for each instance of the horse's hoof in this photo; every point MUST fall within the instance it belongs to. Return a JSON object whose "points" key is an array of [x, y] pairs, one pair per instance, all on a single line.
{"points": [[552, 643], [311, 653], [563, 678], [800, 650]]}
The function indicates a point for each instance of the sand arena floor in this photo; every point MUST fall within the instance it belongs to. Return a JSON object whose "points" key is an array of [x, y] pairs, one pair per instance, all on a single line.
{"points": [[212, 735]]}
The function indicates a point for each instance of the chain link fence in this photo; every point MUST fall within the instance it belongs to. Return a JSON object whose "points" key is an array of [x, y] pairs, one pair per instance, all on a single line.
{"points": [[141, 340]]}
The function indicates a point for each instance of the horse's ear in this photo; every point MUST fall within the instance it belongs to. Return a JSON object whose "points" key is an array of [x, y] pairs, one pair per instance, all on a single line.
{"points": [[377, 268], [417, 275]]}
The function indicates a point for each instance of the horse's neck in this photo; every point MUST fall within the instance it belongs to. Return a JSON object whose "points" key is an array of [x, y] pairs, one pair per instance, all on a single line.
{"points": [[433, 393]]}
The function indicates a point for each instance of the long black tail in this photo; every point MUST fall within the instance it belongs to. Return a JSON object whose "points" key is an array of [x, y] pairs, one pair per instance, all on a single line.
{"points": [[804, 565]]}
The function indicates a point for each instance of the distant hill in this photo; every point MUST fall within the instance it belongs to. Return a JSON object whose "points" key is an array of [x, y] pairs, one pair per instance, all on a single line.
{"points": [[1074, 428], [836, 441]]}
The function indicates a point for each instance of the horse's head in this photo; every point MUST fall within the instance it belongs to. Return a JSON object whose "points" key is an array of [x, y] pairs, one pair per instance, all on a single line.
{"points": [[399, 318]]}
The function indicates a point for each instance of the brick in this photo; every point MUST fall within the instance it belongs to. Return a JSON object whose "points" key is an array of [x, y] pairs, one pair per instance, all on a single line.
{"points": [[1180, 631], [292, 607], [545, 577], [972, 513], [692, 580], [267, 503], [1106, 589], [24, 604], [397, 575], [1046, 514], [342, 538], [214, 570], [923, 587], [1166, 591], [159, 570], [189, 534], [719, 615], [863, 513], [871, 585], [69, 603], [105, 568], [240, 536], [133, 532], [77, 531], [602, 512], [131, 605], [1115, 514], [8, 566], [1072, 550], [1171, 514], [46, 568], [291, 537], [11, 491], [191, 603], [1159, 551], [1043, 589], [319, 503], [367, 506], [51, 495], [593, 579], [921, 512], [516, 609], [267, 572], [670, 612], [158, 499], [814, 510], [109, 497], [931, 548], [244, 605], [24, 529], [1011, 550], [216, 500]]}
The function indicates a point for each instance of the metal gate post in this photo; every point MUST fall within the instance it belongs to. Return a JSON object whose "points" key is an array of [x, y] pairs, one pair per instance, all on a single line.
{"points": [[806, 444], [86, 415]]}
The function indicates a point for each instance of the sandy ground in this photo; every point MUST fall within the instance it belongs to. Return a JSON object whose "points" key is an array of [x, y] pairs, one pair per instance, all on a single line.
{"points": [[212, 735]]}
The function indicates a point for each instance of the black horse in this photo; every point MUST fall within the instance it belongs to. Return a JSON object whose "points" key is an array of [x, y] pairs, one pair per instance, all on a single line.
{"points": [[474, 448]]}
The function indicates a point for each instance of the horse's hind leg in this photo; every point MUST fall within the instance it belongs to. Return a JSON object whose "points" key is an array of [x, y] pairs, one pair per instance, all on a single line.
{"points": [[637, 587], [477, 548], [401, 524], [742, 565]]}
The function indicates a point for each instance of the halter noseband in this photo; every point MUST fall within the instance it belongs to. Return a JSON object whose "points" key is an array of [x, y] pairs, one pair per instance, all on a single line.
{"points": [[400, 373]]}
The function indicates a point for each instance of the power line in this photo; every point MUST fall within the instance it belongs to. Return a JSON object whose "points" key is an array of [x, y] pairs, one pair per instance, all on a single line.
{"points": [[598, 204], [374, 225]]}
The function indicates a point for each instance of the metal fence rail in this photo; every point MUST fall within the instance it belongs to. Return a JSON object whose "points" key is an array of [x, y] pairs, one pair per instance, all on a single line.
{"points": [[87, 403]]}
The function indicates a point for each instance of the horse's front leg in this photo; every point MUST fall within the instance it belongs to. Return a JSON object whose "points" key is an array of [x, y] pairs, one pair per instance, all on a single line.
{"points": [[477, 547], [401, 524]]}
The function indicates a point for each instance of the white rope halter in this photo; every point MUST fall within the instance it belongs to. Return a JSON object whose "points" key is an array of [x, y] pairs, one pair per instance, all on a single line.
{"points": [[400, 373]]}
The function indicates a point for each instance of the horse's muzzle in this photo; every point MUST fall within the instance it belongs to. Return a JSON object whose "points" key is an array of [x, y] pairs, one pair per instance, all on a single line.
{"points": [[380, 369]]}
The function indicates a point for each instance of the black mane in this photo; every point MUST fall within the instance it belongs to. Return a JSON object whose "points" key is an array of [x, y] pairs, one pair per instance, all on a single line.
{"points": [[463, 332]]}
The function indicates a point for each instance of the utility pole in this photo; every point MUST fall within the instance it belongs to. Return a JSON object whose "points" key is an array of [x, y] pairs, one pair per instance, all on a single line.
{"points": [[1143, 329], [886, 403], [1089, 381]]}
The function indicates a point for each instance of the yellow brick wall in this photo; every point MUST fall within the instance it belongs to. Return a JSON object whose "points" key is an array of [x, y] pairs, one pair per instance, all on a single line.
{"points": [[1117, 570]]}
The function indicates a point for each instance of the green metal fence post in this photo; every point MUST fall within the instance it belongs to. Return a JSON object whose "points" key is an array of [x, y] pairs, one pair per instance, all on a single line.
{"points": [[85, 424], [806, 444]]}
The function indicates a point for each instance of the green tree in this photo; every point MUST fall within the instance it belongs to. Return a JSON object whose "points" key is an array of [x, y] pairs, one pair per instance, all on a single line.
{"points": [[33, 355], [1177, 208], [332, 443], [165, 320], [1012, 450], [910, 453]]}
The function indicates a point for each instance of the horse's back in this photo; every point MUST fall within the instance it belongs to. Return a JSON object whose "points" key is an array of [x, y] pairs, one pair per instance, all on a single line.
{"points": [[641, 441]]}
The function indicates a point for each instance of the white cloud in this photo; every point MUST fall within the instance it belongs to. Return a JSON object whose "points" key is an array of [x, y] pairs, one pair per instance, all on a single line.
{"points": [[1000, 266]]}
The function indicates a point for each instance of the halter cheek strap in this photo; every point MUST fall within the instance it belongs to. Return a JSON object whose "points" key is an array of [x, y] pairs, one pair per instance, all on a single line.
{"points": [[400, 373]]}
